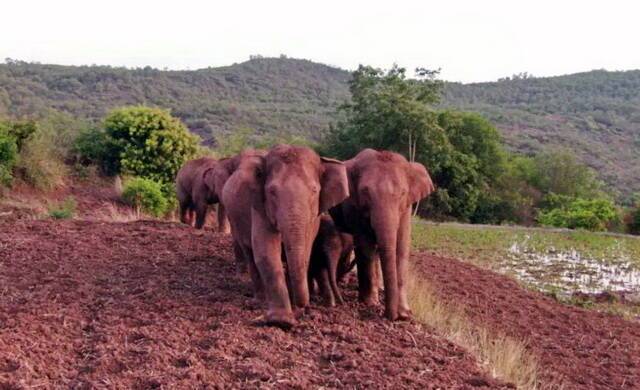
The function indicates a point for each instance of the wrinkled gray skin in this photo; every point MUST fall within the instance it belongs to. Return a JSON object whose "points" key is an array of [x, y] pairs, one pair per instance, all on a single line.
{"points": [[330, 260], [196, 190], [382, 186], [289, 190]]}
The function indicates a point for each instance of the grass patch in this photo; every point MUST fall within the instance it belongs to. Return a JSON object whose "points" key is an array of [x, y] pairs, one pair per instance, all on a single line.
{"points": [[487, 245], [64, 210], [504, 357], [115, 213]]}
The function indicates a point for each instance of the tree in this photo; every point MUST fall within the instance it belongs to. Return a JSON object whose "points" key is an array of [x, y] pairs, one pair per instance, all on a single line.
{"points": [[558, 171], [390, 111], [148, 142]]}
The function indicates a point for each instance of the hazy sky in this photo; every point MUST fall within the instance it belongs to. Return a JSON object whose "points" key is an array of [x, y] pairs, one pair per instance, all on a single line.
{"points": [[470, 40]]}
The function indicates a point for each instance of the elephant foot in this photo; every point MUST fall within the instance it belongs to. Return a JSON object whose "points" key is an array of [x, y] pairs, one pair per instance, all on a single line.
{"points": [[405, 315], [391, 315], [280, 318], [329, 302], [370, 299]]}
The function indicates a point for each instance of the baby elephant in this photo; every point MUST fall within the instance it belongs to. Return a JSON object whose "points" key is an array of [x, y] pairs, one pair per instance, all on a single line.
{"points": [[330, 260]]}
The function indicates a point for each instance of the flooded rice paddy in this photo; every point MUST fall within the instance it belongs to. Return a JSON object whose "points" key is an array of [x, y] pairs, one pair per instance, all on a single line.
{"points": [[569, 270]]}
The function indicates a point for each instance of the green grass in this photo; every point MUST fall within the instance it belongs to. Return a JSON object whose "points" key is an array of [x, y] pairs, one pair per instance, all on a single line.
{"points": [[64, 210], [555, 261], [488, 245]]}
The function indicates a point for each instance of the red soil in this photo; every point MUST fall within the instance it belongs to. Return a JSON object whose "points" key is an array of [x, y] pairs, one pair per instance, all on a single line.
{"points": [[577, 348], [159, 305]]}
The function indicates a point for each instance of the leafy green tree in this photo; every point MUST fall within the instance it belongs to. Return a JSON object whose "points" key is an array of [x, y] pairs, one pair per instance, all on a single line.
{"points": [[19, 130], [390, 111], [589, 214], [559, 172], [8, 157], [148, 142]]}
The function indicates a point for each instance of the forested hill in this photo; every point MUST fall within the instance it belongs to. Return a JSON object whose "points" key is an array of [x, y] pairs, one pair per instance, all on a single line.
{"points": [[596, 114], [290, 96]]}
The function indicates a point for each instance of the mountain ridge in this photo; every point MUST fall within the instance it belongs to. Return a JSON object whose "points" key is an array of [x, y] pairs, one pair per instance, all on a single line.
{"points": [[596, 114]]}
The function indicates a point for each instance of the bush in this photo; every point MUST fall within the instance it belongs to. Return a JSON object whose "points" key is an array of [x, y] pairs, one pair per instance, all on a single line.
{"points": [[39, 164], [633, 221], [92, 146], [8, 157], [19, 130], [148, 142], [64, 210], [146, 195], [589, 214]]}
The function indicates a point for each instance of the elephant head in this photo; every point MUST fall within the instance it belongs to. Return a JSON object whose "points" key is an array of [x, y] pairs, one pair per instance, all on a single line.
{"points": [[293, 186]]}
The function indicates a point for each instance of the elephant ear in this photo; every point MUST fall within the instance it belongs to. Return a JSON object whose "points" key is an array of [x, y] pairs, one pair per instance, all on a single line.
{"points": [[420, 183], [221, 173], [258, 198], [334, 183], [209, 179]]}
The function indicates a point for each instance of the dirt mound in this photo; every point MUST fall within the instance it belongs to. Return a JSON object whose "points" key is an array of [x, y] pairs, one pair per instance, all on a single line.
{"points": [[578, 348], [158, 305]]}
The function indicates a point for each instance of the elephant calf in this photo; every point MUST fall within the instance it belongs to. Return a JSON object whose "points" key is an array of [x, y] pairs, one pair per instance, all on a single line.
{"points": [[196, 190], [330, 260]]}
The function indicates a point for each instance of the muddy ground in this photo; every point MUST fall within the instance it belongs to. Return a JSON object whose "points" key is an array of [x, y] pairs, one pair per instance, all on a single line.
{"points": [[148, 305], [577, 348]]}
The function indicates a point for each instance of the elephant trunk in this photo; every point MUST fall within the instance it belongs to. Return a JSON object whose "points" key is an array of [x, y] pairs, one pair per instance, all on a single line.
{"points": [[297, 244], [385, 225]]}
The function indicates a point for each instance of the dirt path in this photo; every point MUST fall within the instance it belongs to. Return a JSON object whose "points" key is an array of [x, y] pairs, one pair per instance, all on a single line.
{"points": [[158, 305], [579, 348]]}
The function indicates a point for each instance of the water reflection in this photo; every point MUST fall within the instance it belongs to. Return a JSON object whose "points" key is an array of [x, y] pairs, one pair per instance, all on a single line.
{"points": [[570, 271]]}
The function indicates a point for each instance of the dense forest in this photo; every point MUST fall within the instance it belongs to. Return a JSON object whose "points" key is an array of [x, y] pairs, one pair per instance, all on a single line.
{"points": [[596, 114]]}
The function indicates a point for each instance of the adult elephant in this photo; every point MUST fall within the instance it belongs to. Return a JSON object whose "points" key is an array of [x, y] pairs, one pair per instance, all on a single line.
{"points": [[198, 185], [289, 187], [237, 197], [383, 185]]}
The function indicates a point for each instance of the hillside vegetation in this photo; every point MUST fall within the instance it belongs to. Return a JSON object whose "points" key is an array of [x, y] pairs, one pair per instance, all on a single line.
{"points": [[270, 95], [596, 114]]}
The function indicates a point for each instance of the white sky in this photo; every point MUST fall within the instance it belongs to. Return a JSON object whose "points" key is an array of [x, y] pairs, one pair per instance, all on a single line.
{"points": [[470, 40]]}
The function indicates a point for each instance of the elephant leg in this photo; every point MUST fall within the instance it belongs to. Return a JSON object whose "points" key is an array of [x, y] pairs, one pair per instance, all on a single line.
{"points": [[333, 259], [256, 280], [325, 288], [365, 259], [201, 214], [267, 254], [311, 281], [184, 212], [404, 247], [223, 221], [241, 258]]}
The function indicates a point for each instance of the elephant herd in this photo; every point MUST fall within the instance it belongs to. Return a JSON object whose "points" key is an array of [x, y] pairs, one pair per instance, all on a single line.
{"points": [[296, 217]]}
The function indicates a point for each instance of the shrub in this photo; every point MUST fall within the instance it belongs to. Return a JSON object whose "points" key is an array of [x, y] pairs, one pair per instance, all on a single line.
{"points": [[64, 210], [145, 194], [92, 146], [39, 164], [19, 130], [148, 142], [8, 157], [633, 221], [589, 214]]}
